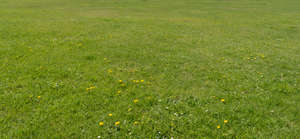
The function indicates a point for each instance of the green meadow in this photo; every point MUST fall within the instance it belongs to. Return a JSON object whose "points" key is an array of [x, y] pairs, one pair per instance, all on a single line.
{"points": [[162, 69]]}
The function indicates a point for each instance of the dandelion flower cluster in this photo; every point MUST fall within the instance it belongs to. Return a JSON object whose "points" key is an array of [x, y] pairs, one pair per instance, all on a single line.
{"points": [[138, 81]]}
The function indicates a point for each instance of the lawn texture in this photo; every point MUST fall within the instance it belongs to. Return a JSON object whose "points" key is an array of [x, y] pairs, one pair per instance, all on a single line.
{"points": [[149, 69]]}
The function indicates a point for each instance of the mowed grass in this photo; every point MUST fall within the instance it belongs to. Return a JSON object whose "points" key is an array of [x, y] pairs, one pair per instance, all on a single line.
{"points": [[149, 69]]}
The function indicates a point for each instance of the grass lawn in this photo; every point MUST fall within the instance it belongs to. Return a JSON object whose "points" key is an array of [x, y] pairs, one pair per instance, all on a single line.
{"points": [[149, 69]]}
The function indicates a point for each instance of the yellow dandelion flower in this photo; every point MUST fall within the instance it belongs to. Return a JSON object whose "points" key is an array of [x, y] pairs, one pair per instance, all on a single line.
{"points": [[101, 123], [222, 100], [119, 92], [120, 81], [142, 81], [135, 100], [117, 123], [109, 71], [90, 88], [218, 126], [135, 123], [110, 115], [225, 121], [38, 97], [129, 109]]}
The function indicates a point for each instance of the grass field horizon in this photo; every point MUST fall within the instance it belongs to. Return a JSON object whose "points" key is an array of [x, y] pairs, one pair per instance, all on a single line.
{"points": [[149, 69]]}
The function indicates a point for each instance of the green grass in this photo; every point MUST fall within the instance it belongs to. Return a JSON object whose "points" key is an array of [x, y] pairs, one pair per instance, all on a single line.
{"points": [[190, 54]]}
